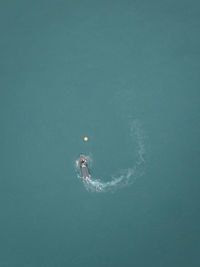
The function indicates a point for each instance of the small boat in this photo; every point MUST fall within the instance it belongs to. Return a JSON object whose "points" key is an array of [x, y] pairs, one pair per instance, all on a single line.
{"points": [[85, 173]]}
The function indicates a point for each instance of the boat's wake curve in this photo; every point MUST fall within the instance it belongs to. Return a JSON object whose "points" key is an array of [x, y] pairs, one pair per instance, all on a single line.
{"points": [[126, 176]]}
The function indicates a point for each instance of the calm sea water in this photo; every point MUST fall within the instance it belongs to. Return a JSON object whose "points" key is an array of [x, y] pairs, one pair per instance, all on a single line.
{"points": [[126, 74]]}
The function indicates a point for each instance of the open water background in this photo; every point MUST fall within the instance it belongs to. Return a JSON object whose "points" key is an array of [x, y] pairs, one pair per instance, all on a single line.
{"points": [[126, 74]]}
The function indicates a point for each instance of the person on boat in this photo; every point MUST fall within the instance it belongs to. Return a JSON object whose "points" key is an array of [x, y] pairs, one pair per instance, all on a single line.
{"points": [[83, 160]]}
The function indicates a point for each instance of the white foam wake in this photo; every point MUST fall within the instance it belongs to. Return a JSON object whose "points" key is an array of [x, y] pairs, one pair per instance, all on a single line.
{"points": [[126, 176]]}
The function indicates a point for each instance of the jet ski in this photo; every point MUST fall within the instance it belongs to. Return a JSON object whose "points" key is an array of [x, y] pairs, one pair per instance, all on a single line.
{"points": [[85, 173]]}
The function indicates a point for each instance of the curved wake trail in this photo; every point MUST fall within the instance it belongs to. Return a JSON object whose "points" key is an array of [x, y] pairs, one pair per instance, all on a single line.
{"points": [[126, 176]]}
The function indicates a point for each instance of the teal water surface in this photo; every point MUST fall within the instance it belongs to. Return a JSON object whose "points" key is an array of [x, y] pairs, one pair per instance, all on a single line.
{"points": [[125, 74]]}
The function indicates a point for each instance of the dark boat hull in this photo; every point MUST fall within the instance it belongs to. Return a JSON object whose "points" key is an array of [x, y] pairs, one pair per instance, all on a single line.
{"points": [[85, 173]]}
